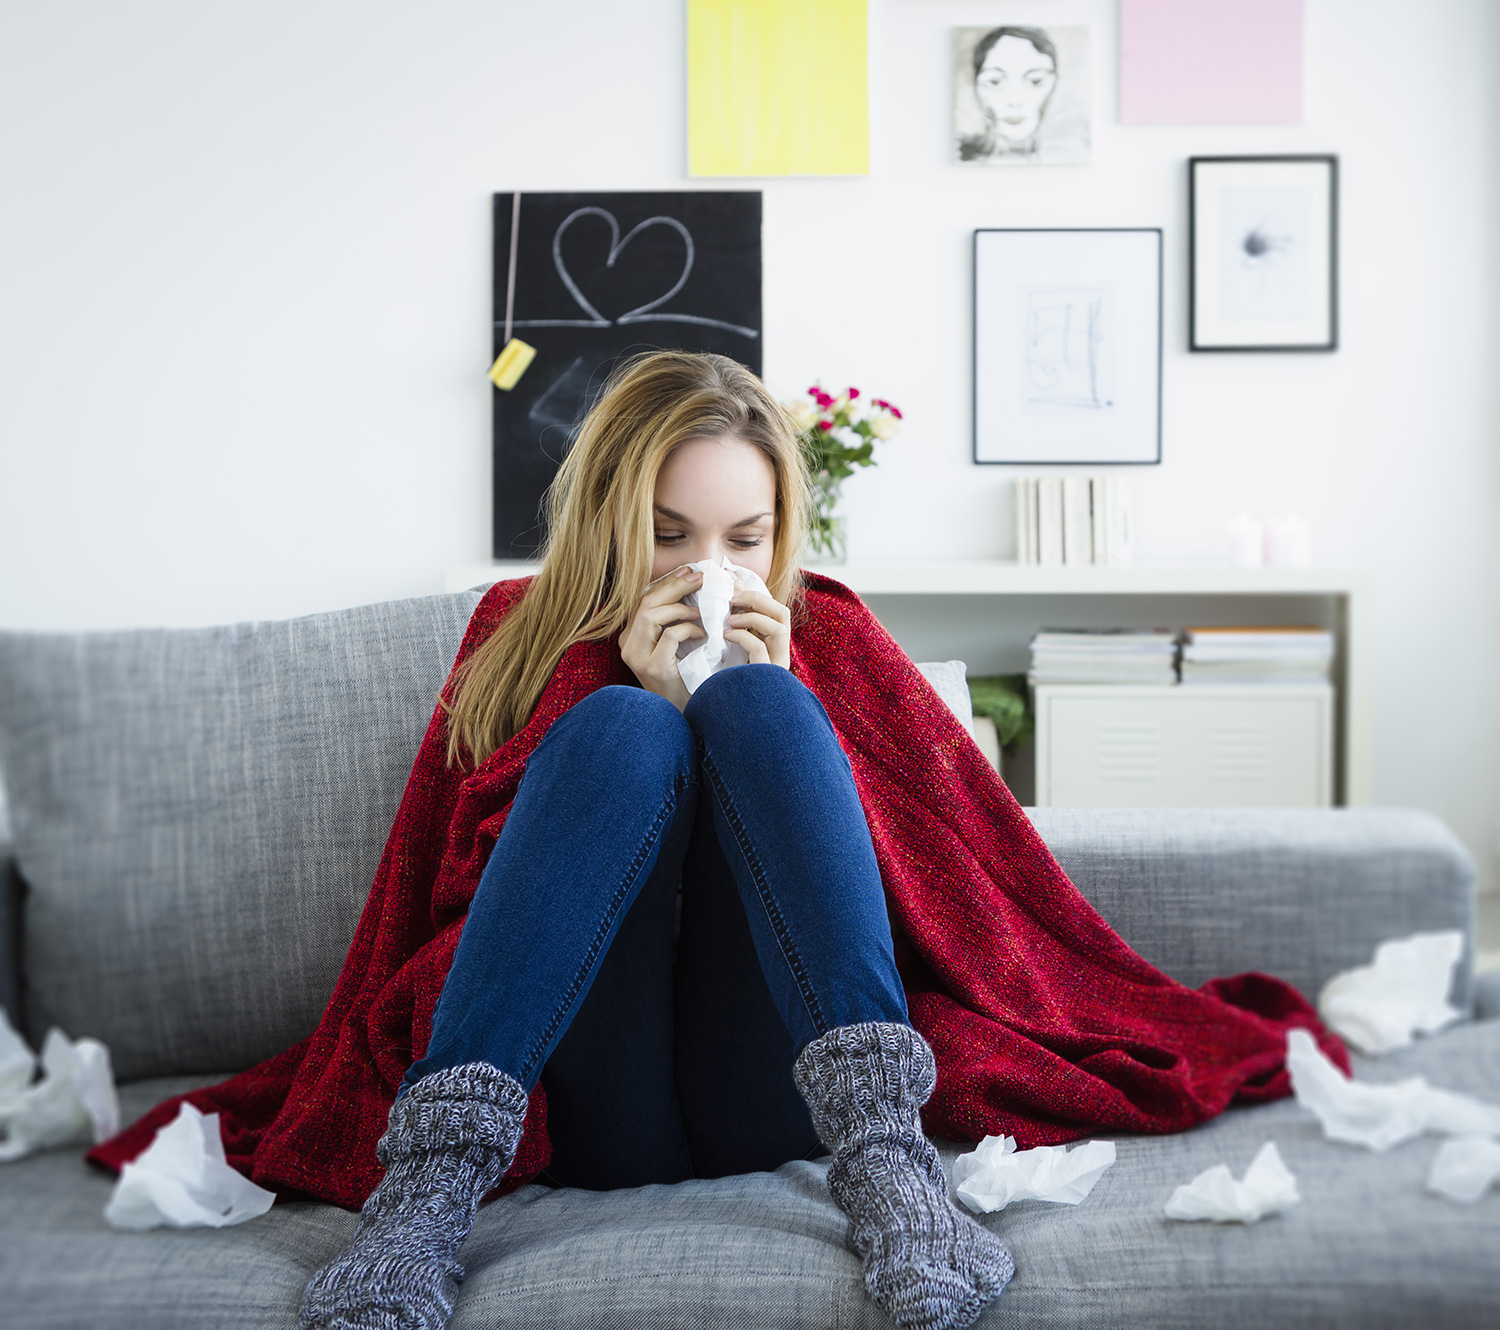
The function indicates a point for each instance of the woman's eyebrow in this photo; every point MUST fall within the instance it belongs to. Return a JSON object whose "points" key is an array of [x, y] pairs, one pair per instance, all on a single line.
{"points": [[678, 517]]}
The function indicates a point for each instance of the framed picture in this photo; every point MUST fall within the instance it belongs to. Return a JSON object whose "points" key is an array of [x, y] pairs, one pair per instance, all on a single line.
{"points": [[1263, 246], [1022, 96], [1067, 346]]}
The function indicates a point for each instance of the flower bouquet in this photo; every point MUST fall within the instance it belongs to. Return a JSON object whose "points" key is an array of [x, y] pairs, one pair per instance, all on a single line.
{"points": [[837, 435]]}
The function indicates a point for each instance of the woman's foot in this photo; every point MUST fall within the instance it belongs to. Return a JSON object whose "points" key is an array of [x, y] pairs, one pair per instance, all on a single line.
{"points": [[930, 1266], [450, 1139]]}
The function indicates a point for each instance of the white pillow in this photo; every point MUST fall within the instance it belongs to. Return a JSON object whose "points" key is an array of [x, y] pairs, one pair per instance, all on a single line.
{"points": [[951, 680]]}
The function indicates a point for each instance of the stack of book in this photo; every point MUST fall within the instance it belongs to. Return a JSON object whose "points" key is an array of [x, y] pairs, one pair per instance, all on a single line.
{"points": [[1103, 655], [1256, 655], [1073, 521]]}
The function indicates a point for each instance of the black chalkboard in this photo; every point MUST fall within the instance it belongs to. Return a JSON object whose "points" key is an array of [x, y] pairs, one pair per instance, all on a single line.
{"points": [[599, 277]]}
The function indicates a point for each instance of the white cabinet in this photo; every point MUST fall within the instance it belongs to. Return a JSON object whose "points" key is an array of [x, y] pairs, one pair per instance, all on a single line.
{"points": [[1203, 745]]}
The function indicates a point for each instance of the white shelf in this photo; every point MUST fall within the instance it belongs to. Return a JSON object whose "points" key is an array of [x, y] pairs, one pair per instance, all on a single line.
{"points": [[998, 577], [995, 577], [462, 576]]}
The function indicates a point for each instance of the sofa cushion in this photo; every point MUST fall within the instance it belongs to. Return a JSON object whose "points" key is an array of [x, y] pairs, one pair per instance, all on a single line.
{"points": [[198, 815], [1367, 1247]]}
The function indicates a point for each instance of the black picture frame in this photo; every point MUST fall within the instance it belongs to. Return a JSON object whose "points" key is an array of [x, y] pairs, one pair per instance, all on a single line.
{"points": [[1222, 278], [1149, 308], [594, 278]]}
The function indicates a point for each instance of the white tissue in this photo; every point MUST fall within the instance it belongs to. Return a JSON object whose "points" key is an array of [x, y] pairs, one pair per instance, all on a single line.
{"points": [[1267, 1189], [995, 1173], [699, 658], [1377, 1007], [73, 1101], [1464, 1168], [1379, 1116], [183, 1181], [16, 1060]]}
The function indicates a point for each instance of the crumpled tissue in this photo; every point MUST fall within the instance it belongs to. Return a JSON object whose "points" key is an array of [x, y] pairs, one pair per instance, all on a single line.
{"points": [[1377, 1007], [1464, 1168], [1268, 1188], [700, 657], [73, 1101], [183, 1181], [995, 1173], [1379, 1116]]}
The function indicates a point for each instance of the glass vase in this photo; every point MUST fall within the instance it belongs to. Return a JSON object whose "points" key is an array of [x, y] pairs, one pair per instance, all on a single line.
{"points": [[827, 541]]}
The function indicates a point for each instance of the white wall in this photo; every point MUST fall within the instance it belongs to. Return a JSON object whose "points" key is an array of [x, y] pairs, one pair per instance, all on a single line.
{"points": [[244, 308]]}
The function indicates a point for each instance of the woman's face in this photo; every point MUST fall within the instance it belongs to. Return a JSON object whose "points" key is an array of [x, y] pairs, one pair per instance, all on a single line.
{"points": [[715, 497], [1013, 85]]}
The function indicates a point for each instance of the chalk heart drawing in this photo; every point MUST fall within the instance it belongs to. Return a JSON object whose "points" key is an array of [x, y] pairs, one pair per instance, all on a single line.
{"points": [[616, 246], [651, 311]]}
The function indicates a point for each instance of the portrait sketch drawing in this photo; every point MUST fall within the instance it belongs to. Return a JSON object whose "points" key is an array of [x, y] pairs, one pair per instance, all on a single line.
{"points": [[1022, 95]]}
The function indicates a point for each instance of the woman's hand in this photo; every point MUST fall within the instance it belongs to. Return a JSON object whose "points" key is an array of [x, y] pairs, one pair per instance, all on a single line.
{"points": [[660, 624], [763, 626]]}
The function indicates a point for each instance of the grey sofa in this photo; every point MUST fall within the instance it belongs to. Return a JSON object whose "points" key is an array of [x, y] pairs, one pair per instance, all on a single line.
{"points": [[197, 816]]}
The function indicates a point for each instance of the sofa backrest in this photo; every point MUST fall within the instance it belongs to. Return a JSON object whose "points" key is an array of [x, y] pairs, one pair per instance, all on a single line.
{"points": [[198, 816], [1300, 893]]}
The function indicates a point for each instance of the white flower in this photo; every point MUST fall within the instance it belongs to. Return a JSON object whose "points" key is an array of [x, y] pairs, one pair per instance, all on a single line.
{"points": [[884, 426], [804, 414]]}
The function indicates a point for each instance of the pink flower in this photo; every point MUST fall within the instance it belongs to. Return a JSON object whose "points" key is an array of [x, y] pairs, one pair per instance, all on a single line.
{"points": [[894, 411], [825, 400], [825, 424], [814, 391], [853, 393]]}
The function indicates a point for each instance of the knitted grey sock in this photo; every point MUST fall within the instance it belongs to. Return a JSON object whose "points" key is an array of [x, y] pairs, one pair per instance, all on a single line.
{"points": [[930, 1266], [449, 1140]]}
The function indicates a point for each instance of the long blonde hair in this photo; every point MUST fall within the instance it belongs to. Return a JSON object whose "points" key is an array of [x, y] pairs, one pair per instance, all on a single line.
{"points": [[601, 533]]}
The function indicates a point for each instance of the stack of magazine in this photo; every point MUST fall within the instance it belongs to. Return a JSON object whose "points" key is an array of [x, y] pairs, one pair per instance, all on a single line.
{"points": [[1256, 655], [1103, 655]]}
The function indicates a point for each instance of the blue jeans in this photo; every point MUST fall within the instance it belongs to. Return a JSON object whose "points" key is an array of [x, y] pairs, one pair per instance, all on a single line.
{"points": [[659, 1068]]}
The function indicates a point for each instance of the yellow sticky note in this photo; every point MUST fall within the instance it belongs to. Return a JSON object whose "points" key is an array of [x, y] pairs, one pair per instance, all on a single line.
{"points": [[511, 363], [778, 87]]}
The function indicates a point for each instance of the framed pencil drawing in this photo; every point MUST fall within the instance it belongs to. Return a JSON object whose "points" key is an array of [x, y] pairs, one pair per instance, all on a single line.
{"points": [[1067, 346], [1263, 253]]}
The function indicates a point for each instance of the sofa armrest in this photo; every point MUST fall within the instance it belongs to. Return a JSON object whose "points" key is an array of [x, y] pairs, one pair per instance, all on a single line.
{"points": [[1487, 995], [1298, 893], [11, 888]]}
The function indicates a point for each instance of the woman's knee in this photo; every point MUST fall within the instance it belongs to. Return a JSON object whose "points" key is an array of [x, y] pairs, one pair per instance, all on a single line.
{"points": [[746, 695], [633, 731]]}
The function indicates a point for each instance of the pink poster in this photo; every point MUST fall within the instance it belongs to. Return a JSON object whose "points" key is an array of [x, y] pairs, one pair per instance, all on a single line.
{"points": [[1210, 62]]}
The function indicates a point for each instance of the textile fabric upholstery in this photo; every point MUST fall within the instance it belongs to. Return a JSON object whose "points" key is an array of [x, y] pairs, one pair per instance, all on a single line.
{"points": [[1298, 893], [198, 815], [1367, 1247]]}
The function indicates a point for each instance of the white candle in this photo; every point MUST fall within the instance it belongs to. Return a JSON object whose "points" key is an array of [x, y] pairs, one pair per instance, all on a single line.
{"points": [[1247, 542], [1289, 541]]}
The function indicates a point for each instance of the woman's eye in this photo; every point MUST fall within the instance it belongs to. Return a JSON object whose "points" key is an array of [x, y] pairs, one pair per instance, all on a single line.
{"points": [[668, 538], [746, 544]]}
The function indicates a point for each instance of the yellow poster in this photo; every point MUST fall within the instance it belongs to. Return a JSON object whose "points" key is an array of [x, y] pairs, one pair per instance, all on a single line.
{"points": [[777, 87]]}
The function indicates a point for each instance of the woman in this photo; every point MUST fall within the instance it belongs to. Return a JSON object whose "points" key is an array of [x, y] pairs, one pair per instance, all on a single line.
{"points": [[851, 869], [564, 971], [786, 982]]}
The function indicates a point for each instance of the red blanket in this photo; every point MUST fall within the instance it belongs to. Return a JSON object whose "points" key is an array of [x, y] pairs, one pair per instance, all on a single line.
{"points": [[1046, 1026]]}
